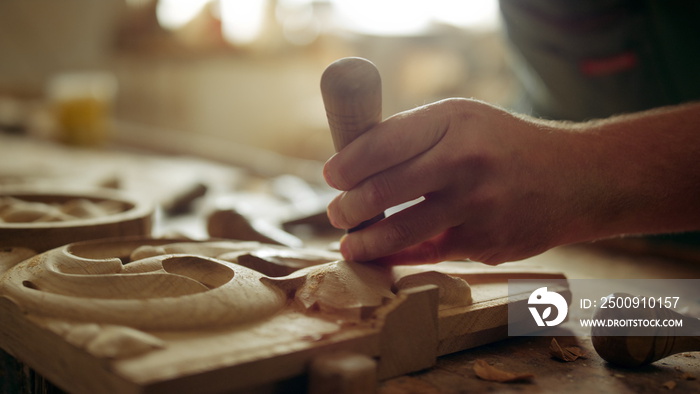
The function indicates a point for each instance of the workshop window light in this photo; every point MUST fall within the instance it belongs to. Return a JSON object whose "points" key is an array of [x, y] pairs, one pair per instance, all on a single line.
{"points": [[473, 14], [173, 14], [413, 17], [299, 22], [243, 20], [385, 17]]}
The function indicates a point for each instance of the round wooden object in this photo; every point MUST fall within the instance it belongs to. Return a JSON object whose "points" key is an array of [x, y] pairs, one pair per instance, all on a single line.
{"points": [[352, 95], [132, 218], [633, 351]]}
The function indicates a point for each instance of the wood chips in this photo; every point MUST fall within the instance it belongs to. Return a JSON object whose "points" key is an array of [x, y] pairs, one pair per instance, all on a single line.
{"points": [[488, 372]]}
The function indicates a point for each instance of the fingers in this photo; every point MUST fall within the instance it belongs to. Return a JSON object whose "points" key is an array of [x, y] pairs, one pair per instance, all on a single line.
{"points": [[453, 243], [448, 245], [393, 141], [433, 250], [414, 179], [411, 226]]}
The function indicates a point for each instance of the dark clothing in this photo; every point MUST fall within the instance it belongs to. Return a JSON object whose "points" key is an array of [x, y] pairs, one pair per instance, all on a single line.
{"points": [[579, 60]]}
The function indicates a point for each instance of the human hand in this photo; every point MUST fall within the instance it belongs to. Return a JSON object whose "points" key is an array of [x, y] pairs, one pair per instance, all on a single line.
{"points": [[491, 183]]}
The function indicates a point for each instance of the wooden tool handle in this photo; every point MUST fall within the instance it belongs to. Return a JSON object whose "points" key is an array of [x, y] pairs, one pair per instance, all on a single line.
{"points": [[634, 351], [352, 95]]}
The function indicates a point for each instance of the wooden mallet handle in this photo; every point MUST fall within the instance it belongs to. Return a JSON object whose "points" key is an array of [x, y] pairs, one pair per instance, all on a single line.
{"points": [[352, 95]]}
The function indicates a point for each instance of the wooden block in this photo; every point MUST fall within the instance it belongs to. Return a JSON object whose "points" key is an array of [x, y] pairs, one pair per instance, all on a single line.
{"points": [[409, 339]]}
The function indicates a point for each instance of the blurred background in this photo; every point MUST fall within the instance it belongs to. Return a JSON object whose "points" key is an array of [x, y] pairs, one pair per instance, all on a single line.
{"points": [[228, 79], [212, 111]]}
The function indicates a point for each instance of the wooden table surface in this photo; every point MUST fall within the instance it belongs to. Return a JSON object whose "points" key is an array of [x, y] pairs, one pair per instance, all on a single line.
{"points": [[454, 373], [679, 373]]}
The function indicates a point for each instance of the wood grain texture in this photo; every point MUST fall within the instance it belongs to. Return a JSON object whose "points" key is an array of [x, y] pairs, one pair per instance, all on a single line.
{"points": [[352, 96], [191, 319], [410, 336]]}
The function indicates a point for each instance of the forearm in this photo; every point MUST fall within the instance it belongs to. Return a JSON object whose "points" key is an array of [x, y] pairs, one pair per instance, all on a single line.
{"points": [[638, 173]]}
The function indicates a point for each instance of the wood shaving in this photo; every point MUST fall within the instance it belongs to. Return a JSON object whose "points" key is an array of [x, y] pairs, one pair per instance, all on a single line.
{"points": [[670, 385], [687, 376], [488, 372], [567, 354]]}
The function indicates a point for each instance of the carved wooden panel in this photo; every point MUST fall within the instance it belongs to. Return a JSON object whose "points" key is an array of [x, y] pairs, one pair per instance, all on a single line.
{"points": [[153, 315]]}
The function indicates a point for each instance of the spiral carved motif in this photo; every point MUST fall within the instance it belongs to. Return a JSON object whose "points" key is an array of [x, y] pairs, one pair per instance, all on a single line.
{"points": [[142, 285]]}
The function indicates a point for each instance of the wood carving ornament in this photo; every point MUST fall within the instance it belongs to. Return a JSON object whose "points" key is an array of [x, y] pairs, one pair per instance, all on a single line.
{"points": [[103, 295]]}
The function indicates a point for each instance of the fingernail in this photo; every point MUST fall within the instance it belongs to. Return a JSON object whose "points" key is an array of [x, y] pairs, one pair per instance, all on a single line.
{"points": [[345, 248], [327, 175], [331, 217]]}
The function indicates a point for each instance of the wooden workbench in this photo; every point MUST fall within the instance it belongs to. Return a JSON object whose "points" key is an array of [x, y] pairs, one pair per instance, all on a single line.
{"points": [[454, 373]]}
